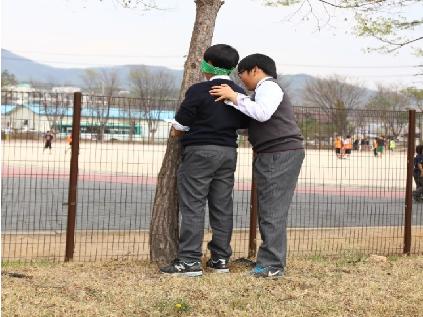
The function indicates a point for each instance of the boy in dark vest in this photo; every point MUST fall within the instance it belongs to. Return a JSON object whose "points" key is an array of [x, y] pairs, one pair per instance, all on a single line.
{"points": [[208, 165], [278, 143]]}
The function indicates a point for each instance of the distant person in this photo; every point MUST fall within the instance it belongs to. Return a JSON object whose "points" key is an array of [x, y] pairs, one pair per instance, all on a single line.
{"points": [[347, 146], [356, 144], [392, 145], [380, 146], [418, 173], [365, 144], [69, 142], [48, 138], [338, 146], [7, 132], [375, 142]]}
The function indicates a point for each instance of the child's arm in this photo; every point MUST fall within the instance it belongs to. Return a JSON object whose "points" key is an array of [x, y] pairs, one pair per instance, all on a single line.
{"points": [[420, 167], [187, 112], [267, 99], [176, 133]]}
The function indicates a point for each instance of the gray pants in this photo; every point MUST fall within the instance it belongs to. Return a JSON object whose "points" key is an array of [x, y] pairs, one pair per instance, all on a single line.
{"points": [[206, 173], [276, 176]]}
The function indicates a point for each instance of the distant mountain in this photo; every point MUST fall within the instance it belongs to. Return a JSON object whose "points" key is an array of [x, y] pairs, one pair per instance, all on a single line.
{"points": [[27, 70]]}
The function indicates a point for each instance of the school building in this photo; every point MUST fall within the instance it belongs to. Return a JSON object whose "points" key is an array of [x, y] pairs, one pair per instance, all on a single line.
{"points": [[111, 124]]}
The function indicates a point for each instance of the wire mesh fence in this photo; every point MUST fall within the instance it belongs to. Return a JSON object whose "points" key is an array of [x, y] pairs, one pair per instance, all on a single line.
{"points": [[34, 176], [349, 200]]}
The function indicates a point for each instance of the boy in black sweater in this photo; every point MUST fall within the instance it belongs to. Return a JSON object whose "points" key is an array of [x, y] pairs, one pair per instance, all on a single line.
{"points": [[208, 165]]}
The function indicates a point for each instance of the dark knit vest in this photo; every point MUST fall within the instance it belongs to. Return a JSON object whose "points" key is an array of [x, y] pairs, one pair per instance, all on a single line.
{"points": [[279, 133]]}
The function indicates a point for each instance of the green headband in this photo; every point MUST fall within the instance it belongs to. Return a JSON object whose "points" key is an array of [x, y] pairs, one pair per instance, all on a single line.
{"points": [[210, 69]]}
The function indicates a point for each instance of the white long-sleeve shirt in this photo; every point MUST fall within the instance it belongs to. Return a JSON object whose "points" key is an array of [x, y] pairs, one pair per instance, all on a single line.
{"points": [[267, 99]]}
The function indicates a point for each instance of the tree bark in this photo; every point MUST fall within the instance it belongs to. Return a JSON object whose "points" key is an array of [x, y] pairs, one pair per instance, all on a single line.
{"points": [[164, 225]]}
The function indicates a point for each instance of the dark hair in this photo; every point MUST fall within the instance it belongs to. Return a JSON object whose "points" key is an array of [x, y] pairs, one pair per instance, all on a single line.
{"points": [[264, 62], [419, 149], [222, 55]]}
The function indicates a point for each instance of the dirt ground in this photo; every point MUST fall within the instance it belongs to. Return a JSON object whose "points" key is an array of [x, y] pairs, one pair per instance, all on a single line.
{"points": [[133, 245], [353, 286]]}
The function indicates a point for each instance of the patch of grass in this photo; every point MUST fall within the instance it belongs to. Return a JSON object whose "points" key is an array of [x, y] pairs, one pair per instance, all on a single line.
{"points": [[317, 258], [393, 258], [172, 307], [181, 306], [16, 264], [316, 286], [347, 258]]}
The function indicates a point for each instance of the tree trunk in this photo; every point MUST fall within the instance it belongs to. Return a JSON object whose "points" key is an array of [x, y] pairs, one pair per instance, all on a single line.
{"points": [[164, 226]]}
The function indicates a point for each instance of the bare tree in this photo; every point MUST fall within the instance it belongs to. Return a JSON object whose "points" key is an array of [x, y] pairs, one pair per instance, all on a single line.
{"points": [[55, 106], [154, 90], [390, 103], [382, 20], [105, 84], [416, 100], [336, 98], [416, 97], [92, 81]]}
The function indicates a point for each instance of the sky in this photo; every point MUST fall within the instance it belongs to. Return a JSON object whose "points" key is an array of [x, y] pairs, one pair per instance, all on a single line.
{"points": [[86, 33]]}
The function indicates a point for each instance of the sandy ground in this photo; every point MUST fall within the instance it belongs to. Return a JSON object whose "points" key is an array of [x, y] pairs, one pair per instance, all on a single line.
{"points": [[97, 245], [362, 169]]}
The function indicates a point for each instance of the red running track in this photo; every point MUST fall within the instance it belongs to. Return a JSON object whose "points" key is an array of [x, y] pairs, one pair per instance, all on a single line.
{"points": [[25, 172]]}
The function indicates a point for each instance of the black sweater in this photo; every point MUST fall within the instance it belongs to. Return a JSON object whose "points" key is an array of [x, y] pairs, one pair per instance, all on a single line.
{"points": [[210, 122]]}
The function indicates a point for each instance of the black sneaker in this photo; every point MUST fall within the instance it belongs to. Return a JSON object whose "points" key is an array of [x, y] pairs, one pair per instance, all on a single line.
{"points": [[181, 268], [268, 271], [219, 265]]}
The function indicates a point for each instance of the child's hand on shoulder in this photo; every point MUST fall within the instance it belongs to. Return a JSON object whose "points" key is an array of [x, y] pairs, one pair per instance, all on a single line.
{"points": [[224, 92]]}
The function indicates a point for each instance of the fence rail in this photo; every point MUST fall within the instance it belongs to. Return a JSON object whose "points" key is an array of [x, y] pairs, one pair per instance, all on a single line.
{"points": [[343, 203]]}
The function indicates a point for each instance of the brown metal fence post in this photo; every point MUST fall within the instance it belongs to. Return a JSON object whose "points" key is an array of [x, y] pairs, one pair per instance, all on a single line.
{"points": [[409, 184], [252, 242], [73, 177]]}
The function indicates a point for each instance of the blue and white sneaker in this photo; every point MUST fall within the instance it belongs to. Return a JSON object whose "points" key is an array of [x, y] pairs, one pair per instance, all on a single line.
{"points": [[267, 271], [219, 265], [182, 268]]}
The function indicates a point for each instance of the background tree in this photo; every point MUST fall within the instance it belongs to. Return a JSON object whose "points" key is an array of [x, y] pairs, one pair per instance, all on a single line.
{"points": [[336, 98], [155, 91], [381, 19], [8, 79], [389, 105], [55, 107], [92, 82], [416, 97], [101, 86]]}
